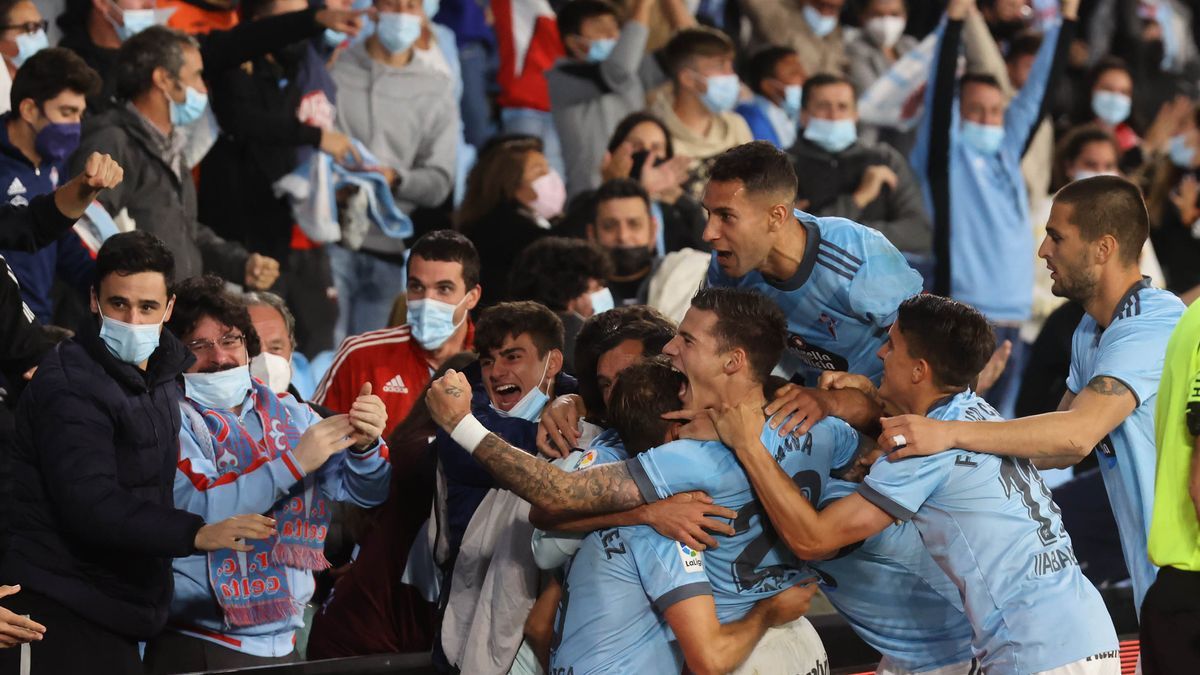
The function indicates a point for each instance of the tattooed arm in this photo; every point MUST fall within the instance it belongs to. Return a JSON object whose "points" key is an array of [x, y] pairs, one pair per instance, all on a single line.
{"points": [[602, 489], [1054, 439]]}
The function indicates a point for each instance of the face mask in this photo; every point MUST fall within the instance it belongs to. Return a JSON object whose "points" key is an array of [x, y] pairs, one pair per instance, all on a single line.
{"points": [[600, 50], [334, 38], [131, 343], [820, 24], [721, 94], [983, 138], [431, 8], [885, 31], [529, 408], [274, 371], [551, 195], [1182, 154], [630, 260], [397, 32], [793, 99], [602, 301], [135, 21], [1111, 107], [29, 44], [832, 135], [1084, 174], [222, 390], [432, 321], [57, 140], [193, 106]]}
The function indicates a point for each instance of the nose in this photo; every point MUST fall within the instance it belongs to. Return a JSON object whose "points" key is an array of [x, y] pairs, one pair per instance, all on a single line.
{"points": [[672, 347], [1044, 248], [712, 230], [879, 353]]}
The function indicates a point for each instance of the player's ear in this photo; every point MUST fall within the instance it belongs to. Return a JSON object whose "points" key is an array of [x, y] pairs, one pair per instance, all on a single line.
{"points": [[735, 360], [921, 371], [1104, 248]]}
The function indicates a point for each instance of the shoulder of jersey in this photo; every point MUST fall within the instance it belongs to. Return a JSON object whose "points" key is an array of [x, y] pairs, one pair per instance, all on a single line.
{"points": [[1151, 303], [841, 248], [396, 334]]}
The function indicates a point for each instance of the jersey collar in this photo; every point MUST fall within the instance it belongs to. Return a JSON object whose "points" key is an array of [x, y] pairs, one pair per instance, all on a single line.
{"points": [[1144, 282]]}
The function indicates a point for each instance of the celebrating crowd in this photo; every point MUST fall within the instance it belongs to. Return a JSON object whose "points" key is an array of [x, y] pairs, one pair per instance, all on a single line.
{"points": [[599, 336]]}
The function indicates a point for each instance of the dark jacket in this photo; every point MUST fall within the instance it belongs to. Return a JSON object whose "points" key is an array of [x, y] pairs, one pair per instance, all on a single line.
{"points": [[828, 183], [93, 525], [159, 201], [500, 238]]}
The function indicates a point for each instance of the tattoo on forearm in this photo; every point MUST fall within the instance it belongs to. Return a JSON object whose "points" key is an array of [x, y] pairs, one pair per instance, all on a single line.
{"points": [[603, 489], [1108, 386]]}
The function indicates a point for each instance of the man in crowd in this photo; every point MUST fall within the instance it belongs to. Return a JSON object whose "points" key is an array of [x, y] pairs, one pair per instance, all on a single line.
{"points": [[95, 33], [1096, 231], [988, 521], [276, 329], [811, 27], [968, 156], [93, 522], [244, 448], [443, 288], [776, 77], [843, 176], [406, 115]]}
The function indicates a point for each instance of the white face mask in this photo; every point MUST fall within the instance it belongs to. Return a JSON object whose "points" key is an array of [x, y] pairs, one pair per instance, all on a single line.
{"points": [[529, 408], [273, 370], [222, 390], [885, 31]]}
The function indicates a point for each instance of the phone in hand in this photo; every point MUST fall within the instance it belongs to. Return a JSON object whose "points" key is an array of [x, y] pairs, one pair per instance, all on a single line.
{"points": [[639, 159]]}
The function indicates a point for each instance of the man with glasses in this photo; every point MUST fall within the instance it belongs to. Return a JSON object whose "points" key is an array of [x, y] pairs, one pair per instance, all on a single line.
{"points": [[22, 34], [243, 448]]}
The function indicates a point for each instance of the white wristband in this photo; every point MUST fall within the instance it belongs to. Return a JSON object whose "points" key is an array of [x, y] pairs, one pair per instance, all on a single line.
{"points": [[469, 433]]}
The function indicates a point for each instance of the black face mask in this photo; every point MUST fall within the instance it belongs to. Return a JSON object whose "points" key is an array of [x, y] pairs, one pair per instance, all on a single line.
{"points": [[630, 260], [1154, 53]]}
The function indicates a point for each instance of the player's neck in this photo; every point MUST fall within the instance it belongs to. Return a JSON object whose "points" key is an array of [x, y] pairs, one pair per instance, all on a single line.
{"points": [[738, 390], [1110, 290], [783, 261]]}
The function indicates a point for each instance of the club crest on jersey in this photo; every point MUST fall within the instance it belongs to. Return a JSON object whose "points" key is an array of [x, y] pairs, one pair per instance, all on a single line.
{"points": [[830, 323], [588, 459], [814, 356], [693, 560]]}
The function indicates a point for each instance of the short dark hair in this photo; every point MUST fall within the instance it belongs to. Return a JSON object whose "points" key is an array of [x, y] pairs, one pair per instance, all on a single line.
{"points": [[619, 188], [571, 15], [207, 296], [641, 395], [140, 55], [49, 73], [1026, 43], [1103, 66], [604, 331], [449, 246], [506, 319], [748, 320], [690, 43], [760, 166], [825, 80], [1108, 205], [134, 252], [979, 78], [555, 270], [626, 125], [953, 337], [762, 65]]}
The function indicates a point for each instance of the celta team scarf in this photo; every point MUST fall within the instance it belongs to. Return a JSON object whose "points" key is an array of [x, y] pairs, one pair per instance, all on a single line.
{"points": [[252, 587]]}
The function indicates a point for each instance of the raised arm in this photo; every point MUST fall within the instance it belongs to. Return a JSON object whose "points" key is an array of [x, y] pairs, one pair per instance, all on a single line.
{"points": [[1032, 102]]}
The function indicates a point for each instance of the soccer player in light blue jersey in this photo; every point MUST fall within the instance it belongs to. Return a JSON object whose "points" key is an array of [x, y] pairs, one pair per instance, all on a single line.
{"points": [[1096, 231], [987, 521]]}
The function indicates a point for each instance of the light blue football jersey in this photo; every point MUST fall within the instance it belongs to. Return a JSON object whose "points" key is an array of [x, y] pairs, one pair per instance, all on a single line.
{"points": [[895, 596], [990, 524], [1131, 350], [841, 300], [753, 564], [610, 618]]}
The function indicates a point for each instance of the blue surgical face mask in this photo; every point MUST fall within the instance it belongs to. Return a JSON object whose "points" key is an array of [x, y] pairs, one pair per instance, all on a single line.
{"points": [[793, 99], [397, 31], [431, 8], [820, 24], [1112, 108], [600, 50], [334, 38], [832, 135], [132, 343], [1182, 154], [29, 44], [529, 408], [602, 301], [982, 138], [721, 94], [222, 390], [134, 21], [432, 321], [192, 108]]}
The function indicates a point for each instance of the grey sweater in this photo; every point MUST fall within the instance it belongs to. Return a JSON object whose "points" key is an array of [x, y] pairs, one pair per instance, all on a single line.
{"points": [[408, 118]]}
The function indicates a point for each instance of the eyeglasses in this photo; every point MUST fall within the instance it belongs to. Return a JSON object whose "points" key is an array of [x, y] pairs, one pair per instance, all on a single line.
{"points": [[227, 343], [29, 27]]}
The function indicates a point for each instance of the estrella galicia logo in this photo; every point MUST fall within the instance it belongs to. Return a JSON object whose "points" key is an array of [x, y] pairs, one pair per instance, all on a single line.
{"points": [[814, 356]]}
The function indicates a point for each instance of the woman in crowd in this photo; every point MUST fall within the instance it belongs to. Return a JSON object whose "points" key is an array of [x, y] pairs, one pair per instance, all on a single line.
{"points": [[1173, 198]]}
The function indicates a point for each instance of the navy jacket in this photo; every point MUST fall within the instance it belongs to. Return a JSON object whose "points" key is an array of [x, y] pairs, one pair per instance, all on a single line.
{"points": [[93, 525]]}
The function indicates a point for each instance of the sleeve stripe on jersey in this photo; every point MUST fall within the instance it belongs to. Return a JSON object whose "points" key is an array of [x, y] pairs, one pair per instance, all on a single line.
{"points": [[885, 503], [644, 484], [839, 249], [835, 270], [831, 257], [680, 594]]}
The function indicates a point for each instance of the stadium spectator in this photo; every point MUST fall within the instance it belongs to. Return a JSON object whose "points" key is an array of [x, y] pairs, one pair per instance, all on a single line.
{"points": [[244, 448], [38, 135], [1173, 197], [776, 77], [95, 33], [881, 41], [811, 27], [443, 287], [276, 364], [527, 45], [23, 35], [870, 183], [93, 525], [414, 141], [597, 84], [567, 275]]}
